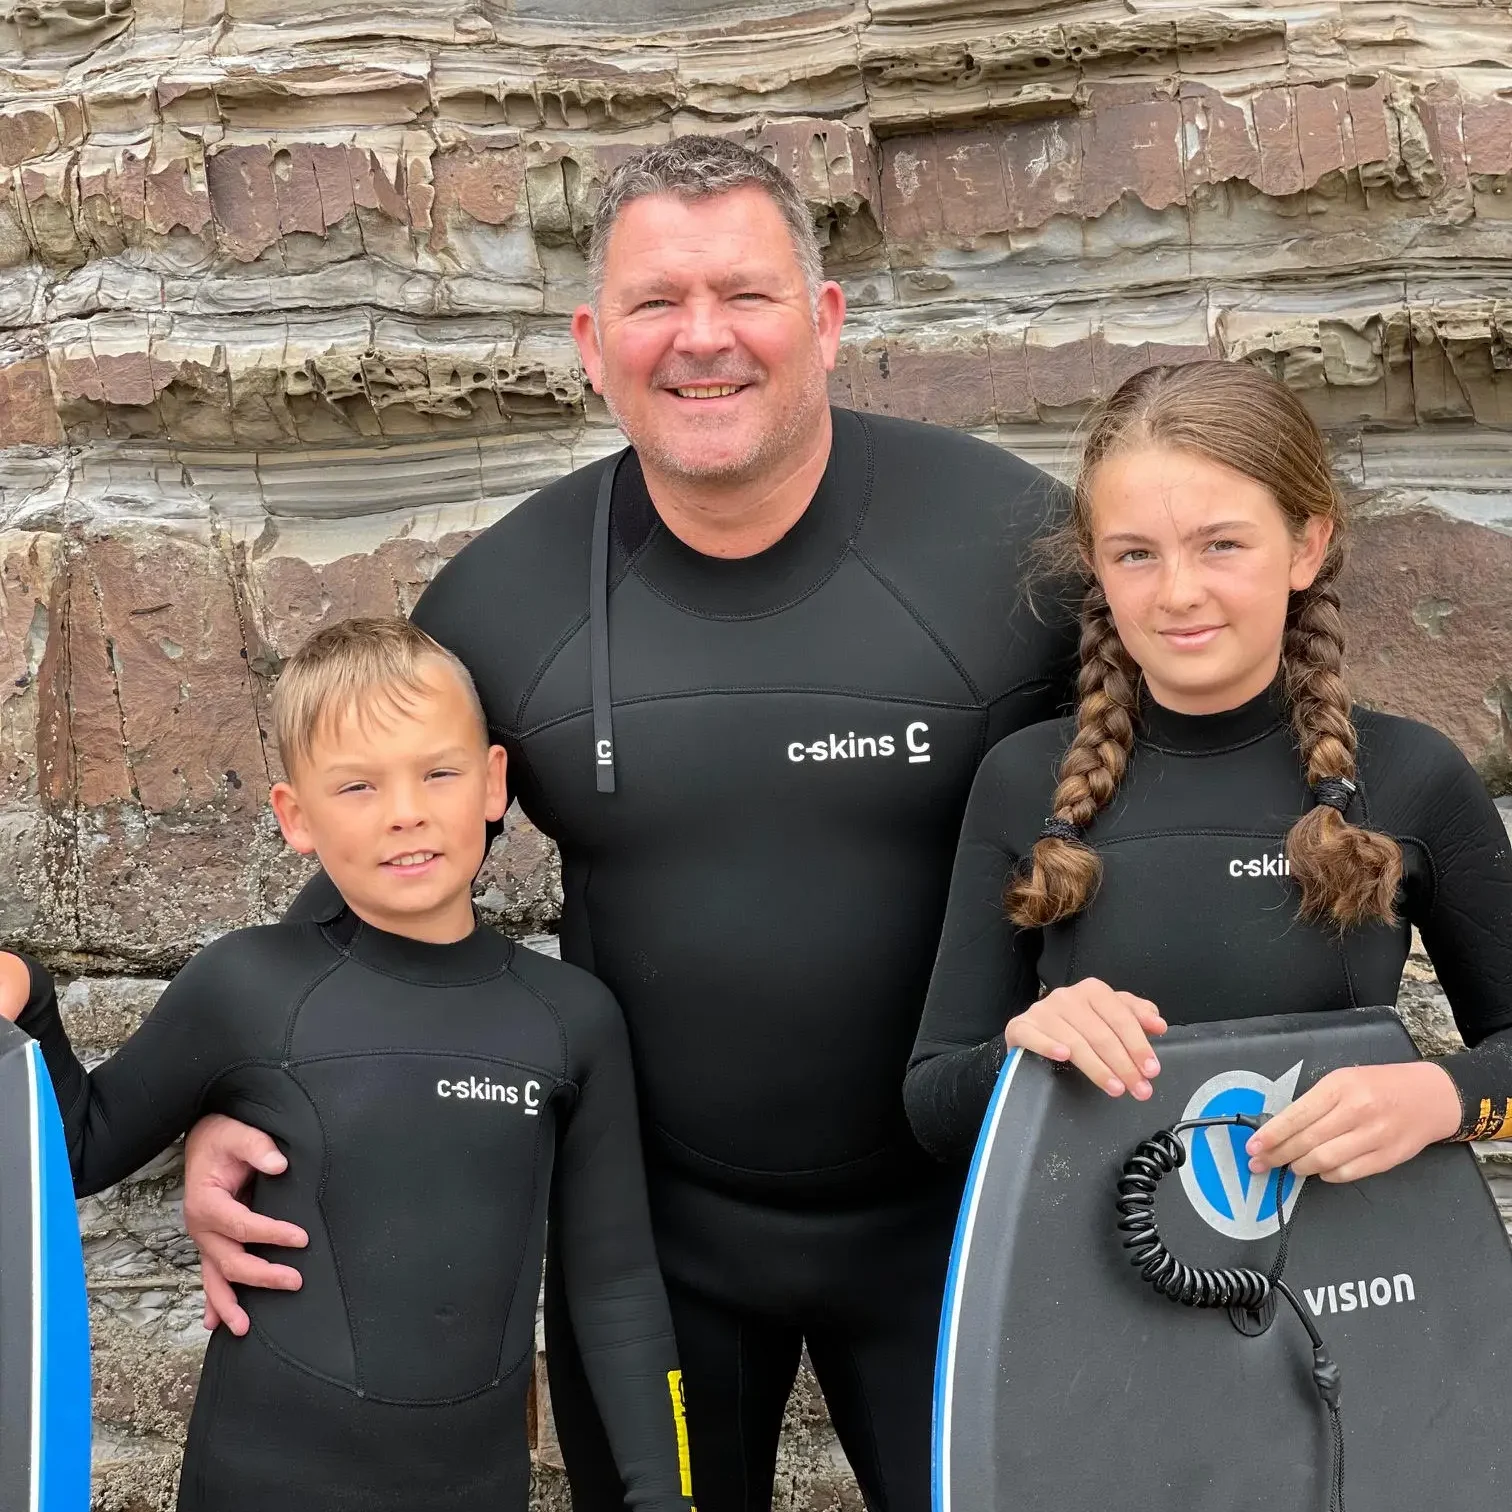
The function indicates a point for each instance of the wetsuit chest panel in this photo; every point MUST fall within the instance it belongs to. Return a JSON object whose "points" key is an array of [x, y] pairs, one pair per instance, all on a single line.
{"points": [[431, 1142], [434, 1117], [850, 633], [1197, 910], [1204, 925], [771, 972]]}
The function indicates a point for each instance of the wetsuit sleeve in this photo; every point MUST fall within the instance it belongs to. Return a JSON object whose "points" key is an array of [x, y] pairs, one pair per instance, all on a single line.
{"points": [[983, 975], [130, 1109], [615, 1294], [1466, 927]]}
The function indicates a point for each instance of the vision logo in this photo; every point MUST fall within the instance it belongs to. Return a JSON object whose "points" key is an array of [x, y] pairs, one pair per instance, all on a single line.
{"points": [[1219, 1184]]}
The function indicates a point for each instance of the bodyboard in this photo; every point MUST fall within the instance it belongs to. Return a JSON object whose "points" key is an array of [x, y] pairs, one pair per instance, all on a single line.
{"points": [[1065, 1381], [44, 1324]]}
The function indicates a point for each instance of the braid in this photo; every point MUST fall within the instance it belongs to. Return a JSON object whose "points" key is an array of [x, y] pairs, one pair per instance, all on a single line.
{"points": [[1346, 873], [1062, 875]]}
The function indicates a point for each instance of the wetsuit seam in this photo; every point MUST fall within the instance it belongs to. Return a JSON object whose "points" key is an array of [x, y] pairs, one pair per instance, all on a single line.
{"points": [[1018, 687], [631, 1343], [754, 614], [565, 1074], [849, 548], [1211, 832], [535, 1159], [829, 1170], [326, 1056], [1143, 739], [861, 695], [410, 981], [516, 1290], [291, 1019], [563, 641], [740, 1419], [917, 616], [325, 1223], [316, 1374], [858, 1386]]}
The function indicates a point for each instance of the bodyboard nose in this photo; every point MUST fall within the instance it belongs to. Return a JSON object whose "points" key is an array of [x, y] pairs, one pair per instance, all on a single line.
{"points": [[44, 1323], [1065, 1381]]}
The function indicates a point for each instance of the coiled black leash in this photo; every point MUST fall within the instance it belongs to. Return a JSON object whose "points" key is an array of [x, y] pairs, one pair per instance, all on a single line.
{"points": [[1240, 1288]]}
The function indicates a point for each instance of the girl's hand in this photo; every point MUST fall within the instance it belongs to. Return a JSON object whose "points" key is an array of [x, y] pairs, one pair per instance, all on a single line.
{"points": [[1103, 1033], [1359, 1121]]}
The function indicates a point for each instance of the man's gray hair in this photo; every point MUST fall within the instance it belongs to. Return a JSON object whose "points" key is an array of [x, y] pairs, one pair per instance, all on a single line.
{"points": [[695, 168]]}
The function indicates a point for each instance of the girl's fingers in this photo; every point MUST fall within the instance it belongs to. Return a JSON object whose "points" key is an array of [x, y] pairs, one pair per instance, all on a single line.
{"points": [[1024, 1033]]}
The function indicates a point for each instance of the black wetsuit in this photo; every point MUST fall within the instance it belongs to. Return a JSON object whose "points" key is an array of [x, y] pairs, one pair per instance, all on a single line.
{"points": [[795, 735], [431, 1100], [1197, 913]]}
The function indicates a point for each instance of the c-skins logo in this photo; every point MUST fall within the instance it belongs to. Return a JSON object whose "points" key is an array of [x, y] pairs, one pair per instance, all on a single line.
{"points": [[1219, 1184]]}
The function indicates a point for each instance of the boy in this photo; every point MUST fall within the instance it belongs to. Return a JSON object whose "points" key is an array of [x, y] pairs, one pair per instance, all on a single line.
{"points": [[430, 1083]]}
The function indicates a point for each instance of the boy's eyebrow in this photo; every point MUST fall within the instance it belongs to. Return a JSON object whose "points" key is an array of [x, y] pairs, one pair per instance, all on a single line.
{"points": [[427, 758]]}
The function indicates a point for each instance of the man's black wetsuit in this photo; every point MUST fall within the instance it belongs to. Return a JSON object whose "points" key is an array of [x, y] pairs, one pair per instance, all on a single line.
{"points": [[795, 735], [1196, 911], [429, 1098]]}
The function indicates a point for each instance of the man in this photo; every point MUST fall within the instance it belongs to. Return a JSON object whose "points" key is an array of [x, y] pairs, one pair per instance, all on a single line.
{"points": [[745, 674]]}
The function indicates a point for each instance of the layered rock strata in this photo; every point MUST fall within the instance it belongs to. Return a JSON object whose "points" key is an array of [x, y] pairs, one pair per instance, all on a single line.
{"points": [[283, 306]]}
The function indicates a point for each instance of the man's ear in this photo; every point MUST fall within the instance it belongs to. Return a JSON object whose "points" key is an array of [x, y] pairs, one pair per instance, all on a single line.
{"points": [[497, 789], [585, 333], [829, 317], [291, 818]]}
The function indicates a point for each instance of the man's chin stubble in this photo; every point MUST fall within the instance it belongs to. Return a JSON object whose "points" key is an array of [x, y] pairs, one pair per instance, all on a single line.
{"points": [[764, 453]]}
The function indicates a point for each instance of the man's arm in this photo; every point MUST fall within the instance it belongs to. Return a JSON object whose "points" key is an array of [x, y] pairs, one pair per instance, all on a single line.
{"points": [[614, 1287]]}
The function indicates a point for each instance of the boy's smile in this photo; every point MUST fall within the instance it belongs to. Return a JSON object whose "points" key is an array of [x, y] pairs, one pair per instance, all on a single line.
{"points": [[393, 797]]}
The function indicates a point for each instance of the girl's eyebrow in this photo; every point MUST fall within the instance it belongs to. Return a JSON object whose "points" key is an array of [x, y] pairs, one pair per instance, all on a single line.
{"points": [[1133, 538]]}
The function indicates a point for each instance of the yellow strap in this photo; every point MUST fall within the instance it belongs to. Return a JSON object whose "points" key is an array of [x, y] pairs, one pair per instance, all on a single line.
{"points": [[680, 1423]]}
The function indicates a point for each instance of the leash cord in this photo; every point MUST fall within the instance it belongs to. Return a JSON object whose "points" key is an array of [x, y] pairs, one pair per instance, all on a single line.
{"points": [[1237, 1287]]}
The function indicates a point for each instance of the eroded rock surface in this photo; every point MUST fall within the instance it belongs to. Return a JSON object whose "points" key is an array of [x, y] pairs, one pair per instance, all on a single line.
{"points": [[283, 302]]}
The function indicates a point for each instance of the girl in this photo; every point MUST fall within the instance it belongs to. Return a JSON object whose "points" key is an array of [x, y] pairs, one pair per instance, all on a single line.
{"points": [[1227, 836]]}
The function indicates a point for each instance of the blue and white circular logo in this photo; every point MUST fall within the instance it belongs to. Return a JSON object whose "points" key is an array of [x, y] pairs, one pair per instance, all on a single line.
{"points": [[1219, 1184]]}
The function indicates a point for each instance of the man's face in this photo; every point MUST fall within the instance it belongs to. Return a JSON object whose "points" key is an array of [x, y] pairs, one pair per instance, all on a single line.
{"points": [[707, 346], [393, 799]]}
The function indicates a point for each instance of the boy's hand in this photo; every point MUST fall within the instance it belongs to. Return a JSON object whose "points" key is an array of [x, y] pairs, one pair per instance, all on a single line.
{"points": [[221, 1156], [15, 985]]}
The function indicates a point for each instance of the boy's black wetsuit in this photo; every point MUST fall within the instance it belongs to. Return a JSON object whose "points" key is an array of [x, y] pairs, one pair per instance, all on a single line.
{"points": [[795, 735], [429, 1097], [1196, 911]]}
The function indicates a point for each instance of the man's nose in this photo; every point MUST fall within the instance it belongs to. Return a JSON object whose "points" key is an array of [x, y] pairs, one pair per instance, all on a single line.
{"points": [[704, 329]]}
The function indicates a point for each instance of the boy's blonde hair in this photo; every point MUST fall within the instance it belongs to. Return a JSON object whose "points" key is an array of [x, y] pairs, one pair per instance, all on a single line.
{"points": [[340, 669]]}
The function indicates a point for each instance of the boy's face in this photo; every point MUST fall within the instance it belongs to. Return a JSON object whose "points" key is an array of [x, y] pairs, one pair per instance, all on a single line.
{"points": [[393, 800]]}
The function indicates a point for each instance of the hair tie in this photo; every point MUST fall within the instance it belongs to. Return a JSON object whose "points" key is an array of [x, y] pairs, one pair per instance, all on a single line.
{"points": [[1333, 792], [1061, 829]]}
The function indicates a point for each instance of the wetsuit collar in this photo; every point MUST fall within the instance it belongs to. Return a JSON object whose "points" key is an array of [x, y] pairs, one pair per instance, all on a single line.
{"points": [[771, 580], [1197, 734], [484, 953], [714, 587]]}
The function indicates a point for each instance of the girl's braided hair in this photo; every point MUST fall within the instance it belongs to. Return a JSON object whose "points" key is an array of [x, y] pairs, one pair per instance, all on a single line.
{"points": [[1241, 418]]}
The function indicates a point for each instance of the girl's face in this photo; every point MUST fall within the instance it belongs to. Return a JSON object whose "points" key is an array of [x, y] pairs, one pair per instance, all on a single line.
{"points": [[1197, 562]]}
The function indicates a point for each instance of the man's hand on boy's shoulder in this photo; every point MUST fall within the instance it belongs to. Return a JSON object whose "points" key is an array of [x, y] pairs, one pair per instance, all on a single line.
{"points": [[15, 985], [221, 1157]]}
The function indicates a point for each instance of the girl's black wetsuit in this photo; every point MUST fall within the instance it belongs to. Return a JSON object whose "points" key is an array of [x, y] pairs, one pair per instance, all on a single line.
{"points": [[1196, 911], [431, 1099]]}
